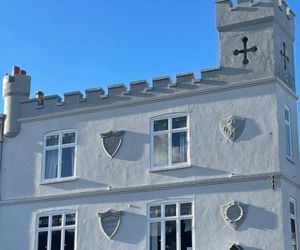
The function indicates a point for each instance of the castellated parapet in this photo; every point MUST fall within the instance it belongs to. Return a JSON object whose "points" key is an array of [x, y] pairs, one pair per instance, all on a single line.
{"points": [[256, 46], [252, 12]]}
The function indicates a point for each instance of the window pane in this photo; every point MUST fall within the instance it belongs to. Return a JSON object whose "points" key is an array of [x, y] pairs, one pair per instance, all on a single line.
{"points": [[170, 210], [56, 240], [155, 211], [185, 208], [160, 153], [43, 221], [170, 231], [179, 147], [70, 219], [52, 140], [68, 138], [51, 163], [179, 122], [293, 228], [67, 164], [292, 208], [161, 125], [186, 234], [42, 240], [155, 236], [287, 115], [56, 220], [288, 140], [69, 239]]}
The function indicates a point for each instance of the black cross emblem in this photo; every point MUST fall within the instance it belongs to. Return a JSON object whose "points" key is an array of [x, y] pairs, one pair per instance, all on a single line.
{"points": [[285, 57], [245, 51]]}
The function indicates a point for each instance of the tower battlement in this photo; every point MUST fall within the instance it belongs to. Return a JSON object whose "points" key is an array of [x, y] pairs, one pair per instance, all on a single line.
{"points": [[250, 12]]}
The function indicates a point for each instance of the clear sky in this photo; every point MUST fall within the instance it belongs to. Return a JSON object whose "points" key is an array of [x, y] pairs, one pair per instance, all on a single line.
{"points": [[75, 45]]}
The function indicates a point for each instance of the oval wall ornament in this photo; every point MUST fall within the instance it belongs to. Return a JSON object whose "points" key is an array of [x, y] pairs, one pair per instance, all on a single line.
{"points": [[233, 213], [111, 142], [110, 222]]}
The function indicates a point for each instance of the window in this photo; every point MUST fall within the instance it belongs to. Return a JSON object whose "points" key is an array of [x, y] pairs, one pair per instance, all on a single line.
{"points": [[288, 131], [59, 155], [293, 223], [170, 141], [171, 226], [56, 231]]}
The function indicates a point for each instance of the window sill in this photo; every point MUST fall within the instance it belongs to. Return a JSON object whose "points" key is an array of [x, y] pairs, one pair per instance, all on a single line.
{"points": [[54, 181], [160, 169], [290, 160]]}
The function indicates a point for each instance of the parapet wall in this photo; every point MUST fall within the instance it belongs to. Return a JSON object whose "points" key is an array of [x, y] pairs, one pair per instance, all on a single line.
{"points": [[251, 12]]}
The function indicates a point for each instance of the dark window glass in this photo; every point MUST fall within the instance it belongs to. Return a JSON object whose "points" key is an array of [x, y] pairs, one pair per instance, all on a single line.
{"points": [[52, 140], [155, 236], [42, 240], [43, 221], [161, 125], [186, 234], [68, 138], [179, 147], [56, 240], [170, 230], [155, 211], [288, 139], [179, 122], [287, 115], [69, 239], [68, 155], [185, 208], [292, 208], [56, 220], [70, 219], [293, 228], [170, 210]]}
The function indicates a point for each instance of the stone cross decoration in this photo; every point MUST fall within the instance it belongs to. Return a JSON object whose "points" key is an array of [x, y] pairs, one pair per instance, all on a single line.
{"points": [[285, 57], [245, 51]]}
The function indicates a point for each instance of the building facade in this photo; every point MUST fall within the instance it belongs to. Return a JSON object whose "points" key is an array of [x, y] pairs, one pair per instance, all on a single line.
{"points": [[189, 164]]}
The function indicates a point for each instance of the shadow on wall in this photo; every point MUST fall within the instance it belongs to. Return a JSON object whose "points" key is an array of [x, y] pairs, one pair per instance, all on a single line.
{"points": [[251, 130], [259, 218], [78, 184], [132, 148], [132, 235], [193, 171], [253, 248]]}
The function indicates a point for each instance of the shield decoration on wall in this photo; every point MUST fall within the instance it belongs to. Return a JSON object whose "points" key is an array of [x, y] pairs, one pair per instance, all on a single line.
{"points": [[111, 142], [232, 127], [110, 222]]}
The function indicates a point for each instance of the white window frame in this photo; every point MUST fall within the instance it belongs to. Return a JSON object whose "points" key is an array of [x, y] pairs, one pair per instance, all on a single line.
{"points": [[60, 146], [163, 219], [170, 165], [294, 217], [50, 228], [289, 124]]}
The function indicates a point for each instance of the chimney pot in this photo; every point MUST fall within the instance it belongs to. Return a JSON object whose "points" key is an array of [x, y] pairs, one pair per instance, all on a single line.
{"points": [[16, 70]]}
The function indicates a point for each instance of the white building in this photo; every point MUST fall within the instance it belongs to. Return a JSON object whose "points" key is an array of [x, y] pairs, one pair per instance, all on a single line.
{"points": [[200, 164]]}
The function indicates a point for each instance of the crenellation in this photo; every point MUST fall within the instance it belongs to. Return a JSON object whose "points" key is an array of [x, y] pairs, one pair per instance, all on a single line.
{"points": [[93, 95], [185, 78], [138, 87], [116, 90], [161, 82], [73, 97]]}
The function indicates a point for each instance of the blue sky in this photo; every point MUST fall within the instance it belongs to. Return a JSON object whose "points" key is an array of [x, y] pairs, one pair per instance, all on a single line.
{"points": [[75, 45]]}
